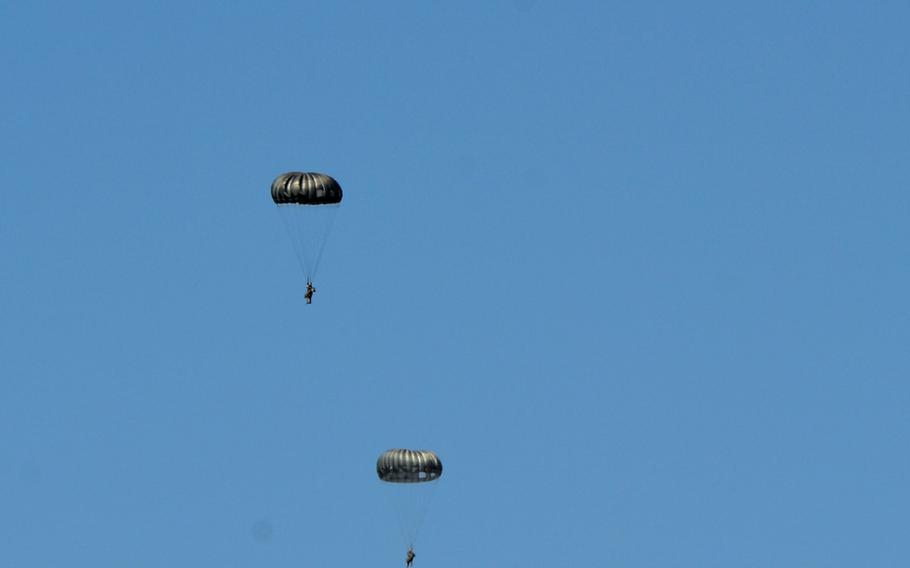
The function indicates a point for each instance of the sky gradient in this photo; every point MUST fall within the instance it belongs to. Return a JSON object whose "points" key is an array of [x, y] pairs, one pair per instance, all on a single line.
{"points": [[637, 273]]}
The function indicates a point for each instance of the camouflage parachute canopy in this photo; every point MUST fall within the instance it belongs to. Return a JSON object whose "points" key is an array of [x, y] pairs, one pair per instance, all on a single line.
{"points": [[305, 188], [408, 466]]}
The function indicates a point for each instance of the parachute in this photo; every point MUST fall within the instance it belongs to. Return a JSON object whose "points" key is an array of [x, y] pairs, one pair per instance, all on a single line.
{"points": [[409, 476], [408, 466], [308, 203]]}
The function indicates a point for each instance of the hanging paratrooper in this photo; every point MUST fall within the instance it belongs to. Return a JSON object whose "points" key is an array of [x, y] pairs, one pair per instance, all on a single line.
{"points": [[412, 475], [308, 203]]}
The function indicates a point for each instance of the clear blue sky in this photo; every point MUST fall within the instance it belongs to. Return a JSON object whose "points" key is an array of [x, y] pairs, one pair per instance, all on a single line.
{"points": [[639, 274]]}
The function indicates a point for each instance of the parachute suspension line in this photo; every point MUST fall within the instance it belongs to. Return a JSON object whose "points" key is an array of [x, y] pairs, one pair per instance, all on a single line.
{"points": [[324, 240], [411, 503], [308, 227], [300, 239], [294, 236], [422, 512], [402, 524]]}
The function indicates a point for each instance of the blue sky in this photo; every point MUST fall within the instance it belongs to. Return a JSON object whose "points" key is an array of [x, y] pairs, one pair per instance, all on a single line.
{"points": [[637, 273]]}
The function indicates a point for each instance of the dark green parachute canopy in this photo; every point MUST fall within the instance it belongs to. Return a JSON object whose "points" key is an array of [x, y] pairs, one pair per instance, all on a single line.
{"points": [[305, 188], [408, 466]]}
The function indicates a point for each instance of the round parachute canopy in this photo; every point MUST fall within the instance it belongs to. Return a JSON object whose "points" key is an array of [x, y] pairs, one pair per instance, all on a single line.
{"points": [[408, 466], [305, 188]]}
